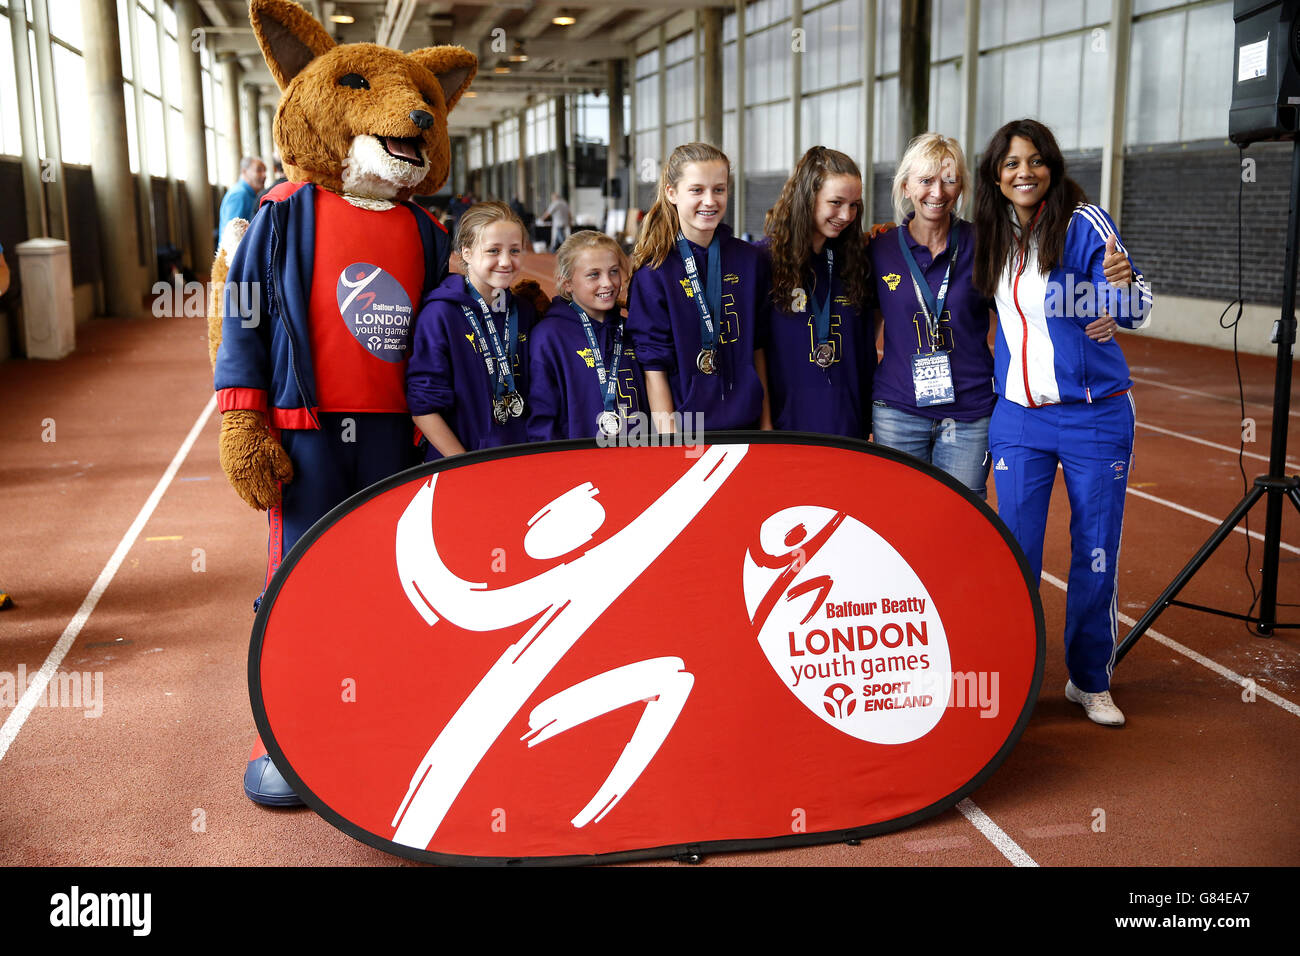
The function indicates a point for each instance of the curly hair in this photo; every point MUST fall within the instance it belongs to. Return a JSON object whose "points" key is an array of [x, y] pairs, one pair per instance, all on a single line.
{"points": [[995, 231], [659, 228], [790, 225]]}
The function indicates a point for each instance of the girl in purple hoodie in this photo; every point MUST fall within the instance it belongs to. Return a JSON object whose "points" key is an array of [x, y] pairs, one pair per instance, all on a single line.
{"points": [[584, 377], [699, 303], [467, 378]]}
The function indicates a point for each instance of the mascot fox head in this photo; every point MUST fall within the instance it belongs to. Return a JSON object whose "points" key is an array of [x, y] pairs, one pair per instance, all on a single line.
{"points": [[359, 119]]}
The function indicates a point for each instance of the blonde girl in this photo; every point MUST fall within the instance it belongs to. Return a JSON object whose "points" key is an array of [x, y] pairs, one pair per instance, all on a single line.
{"points": [[467, 378], [585, 380]]}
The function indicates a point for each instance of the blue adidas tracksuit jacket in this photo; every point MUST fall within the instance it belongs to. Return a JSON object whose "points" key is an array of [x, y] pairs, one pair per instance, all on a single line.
{"points": [[1064, 398]]}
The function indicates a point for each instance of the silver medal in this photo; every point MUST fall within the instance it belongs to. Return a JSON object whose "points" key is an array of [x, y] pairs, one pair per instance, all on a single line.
{"points": [[609, 423], [705, 361], [824, 355], [514, 403], [499, 411]]}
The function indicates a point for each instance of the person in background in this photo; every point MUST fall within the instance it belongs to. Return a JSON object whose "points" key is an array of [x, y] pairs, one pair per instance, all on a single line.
{"points": [[1063, 385], [240, 201], [277, 176], [560, 216]]}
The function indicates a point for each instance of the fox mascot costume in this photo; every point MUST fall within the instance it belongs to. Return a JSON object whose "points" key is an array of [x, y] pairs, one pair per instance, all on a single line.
{"points": [[309, 334]]}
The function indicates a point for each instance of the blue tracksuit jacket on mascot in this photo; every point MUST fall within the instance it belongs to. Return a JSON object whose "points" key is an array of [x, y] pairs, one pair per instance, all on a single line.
{"points": [[1064, 397], [265, 363]]}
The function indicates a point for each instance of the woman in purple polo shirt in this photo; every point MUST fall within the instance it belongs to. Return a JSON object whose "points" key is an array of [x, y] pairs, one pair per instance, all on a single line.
{"points": [[933, 392], [820, 349]]}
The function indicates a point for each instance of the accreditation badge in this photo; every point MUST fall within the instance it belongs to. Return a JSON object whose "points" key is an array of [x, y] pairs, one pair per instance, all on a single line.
{"points": [[932, 380]]}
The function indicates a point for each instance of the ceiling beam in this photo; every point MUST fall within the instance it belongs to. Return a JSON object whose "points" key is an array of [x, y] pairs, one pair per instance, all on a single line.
{"points": [[592, 20]]}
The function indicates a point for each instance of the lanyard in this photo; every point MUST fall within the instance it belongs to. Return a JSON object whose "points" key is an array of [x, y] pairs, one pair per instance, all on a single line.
{"points": [[931, 305], [503, 376], [708, 331], [822, 326], [608, 381]]}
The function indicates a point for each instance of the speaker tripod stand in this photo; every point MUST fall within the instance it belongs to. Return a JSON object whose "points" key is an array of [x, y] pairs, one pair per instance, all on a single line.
{"points": [[1274, 487]]}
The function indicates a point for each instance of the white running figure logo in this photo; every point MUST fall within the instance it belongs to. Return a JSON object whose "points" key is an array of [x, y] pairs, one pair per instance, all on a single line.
{"points": [[569, 598]]}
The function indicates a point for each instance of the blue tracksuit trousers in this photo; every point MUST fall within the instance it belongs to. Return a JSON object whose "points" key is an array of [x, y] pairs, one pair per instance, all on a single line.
{"points": [[1093, 442], [349, 452]]}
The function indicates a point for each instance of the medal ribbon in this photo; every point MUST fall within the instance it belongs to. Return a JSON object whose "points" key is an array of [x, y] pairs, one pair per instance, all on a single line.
{"points": [[931, 305], [822, 317], [504, 377], [608, 381], [713, 305]]}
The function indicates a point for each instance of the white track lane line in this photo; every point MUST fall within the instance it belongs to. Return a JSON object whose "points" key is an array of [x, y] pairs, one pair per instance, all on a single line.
{"points": [[36, 686], [995, 834], [1217, 398], [1210, 444], [1169, 642], [1204, 517]]}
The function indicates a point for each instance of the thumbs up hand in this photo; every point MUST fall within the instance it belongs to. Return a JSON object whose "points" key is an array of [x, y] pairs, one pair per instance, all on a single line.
{"points": [[1116, 265]]}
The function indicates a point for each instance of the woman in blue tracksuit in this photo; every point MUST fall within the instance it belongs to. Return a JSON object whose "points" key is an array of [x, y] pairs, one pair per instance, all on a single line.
{"points": [[1061, 380]]}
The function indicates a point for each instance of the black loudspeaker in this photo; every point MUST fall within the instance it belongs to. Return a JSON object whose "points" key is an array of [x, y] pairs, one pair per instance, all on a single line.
{"points": [[1266, 71]]}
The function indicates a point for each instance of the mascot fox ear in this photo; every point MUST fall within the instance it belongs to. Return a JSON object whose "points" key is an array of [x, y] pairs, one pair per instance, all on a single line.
{"points": [[289, 36], [454, 67]]}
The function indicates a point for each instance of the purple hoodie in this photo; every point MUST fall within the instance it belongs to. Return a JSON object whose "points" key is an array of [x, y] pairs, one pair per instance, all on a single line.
{"points": [[804, 396], [446, 373], [565, 396], [665, 327]]}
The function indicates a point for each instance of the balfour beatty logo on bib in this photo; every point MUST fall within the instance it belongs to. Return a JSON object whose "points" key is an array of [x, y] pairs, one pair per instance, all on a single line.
{"points": [[635, 651], [876, 668], [376, 309]]}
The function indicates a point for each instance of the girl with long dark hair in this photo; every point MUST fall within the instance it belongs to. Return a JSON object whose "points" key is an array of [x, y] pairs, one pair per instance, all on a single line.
{"points": [[819, 348], [1062, 381]]}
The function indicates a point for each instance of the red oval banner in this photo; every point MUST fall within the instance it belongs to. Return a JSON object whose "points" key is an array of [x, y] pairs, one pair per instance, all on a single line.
{"points": [[563, 653]]}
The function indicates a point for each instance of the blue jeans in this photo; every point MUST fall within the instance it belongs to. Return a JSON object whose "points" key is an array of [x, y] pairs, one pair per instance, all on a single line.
{"points": [[959, 448]]}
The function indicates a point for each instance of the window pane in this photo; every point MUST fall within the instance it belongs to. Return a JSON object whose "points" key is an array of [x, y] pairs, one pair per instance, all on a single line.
{"points": [[729, 77], [177, 146], [155, 131], [991, 16], [124, 37], [172, 70], [65, 21], [947, 28], [988, 101], [886, 132], [945, 100], [11, 141], [147, 47], [1096, 66], [1023, 19], [1020, 79], [1062, 15], [131, 146], [1152, 99], [70, 91], [1059, 98], [887, 30], [1207, 74], [1099, 11]]}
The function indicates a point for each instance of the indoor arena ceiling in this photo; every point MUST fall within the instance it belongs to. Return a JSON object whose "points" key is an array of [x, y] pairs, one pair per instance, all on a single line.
{"points": [[560, 59]]}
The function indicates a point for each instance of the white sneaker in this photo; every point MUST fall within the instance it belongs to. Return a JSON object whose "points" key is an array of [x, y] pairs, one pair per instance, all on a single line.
{"points": [[1099, 707]]}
